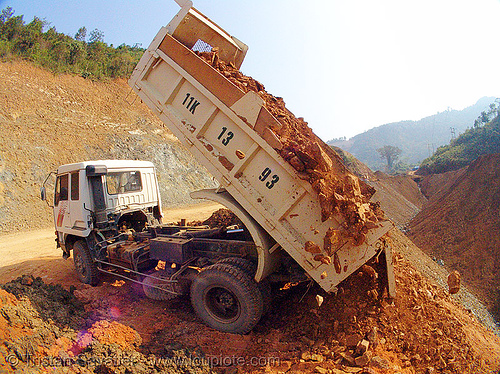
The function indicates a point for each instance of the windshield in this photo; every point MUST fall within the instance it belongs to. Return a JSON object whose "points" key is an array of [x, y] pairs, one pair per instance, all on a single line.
{"points": [[123, 182]]}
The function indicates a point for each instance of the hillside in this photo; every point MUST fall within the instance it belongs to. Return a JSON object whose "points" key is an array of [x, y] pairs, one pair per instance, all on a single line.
{"points": [[415, 138], [399, 196], [460, 225], [48, 120], [480, 140]]}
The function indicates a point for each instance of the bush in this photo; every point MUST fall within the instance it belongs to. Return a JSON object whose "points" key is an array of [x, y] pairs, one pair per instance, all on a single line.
{"points": [[5, 50]]}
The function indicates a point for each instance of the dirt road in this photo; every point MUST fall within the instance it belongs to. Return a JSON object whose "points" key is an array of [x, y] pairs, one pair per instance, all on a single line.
{"points": [[34, 252], [22, 246]]}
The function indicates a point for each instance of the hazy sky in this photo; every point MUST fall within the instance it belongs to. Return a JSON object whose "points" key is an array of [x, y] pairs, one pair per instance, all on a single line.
{"points": [[344, 65]]}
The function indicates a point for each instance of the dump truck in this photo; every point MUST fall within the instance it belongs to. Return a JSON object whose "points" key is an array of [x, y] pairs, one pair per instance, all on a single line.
{"points": [[287, 235]]}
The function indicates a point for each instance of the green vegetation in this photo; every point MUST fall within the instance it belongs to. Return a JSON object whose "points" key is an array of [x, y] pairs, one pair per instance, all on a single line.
{"points": [[60, 53], [483, 138], [391, 154]]}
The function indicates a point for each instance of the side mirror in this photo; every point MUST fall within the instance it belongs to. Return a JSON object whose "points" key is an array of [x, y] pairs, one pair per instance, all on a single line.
{"points": [[43, 192]]}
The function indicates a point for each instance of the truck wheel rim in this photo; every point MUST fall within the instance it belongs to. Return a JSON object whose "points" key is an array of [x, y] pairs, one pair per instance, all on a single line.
{"points": [[222, 304]]}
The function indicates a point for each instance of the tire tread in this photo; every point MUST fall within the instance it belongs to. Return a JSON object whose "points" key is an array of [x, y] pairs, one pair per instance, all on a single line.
{"points": [[250, 295], [251, 268], [80, 248]]}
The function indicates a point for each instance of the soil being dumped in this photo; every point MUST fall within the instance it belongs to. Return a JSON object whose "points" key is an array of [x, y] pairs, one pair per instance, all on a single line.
{"points": [[339, 191]]}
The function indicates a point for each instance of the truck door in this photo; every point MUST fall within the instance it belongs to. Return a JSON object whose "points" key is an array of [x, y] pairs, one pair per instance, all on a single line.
{"points": [[61, 202], [77, 215]]}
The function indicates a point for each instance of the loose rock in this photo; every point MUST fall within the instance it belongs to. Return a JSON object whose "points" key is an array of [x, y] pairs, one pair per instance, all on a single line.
{"points": [[454, 282], [363, 360], [380, 363], [352, 340], [362, 346]]}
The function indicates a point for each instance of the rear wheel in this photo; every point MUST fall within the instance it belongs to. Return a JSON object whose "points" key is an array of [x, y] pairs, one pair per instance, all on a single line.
{"points": [[251, 268], [246, 265], [226, 298], [85, 267]]}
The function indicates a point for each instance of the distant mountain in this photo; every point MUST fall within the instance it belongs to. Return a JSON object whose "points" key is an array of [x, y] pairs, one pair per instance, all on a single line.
{"points": [[417, 139]]}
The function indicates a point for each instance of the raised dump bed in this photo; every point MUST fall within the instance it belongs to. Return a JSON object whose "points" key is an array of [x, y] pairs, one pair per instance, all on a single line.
{"points": [[232, 134]]}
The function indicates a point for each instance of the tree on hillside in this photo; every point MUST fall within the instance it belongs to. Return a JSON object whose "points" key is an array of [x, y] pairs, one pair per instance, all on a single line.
{"points": [[390, 154], [29, 36], [96, 35], [6, 14], [81, 34], [485, 117], [61, 53]]}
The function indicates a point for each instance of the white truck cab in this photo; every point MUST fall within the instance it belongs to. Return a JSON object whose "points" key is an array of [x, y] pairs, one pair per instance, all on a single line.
{"points": [[104, 196]]}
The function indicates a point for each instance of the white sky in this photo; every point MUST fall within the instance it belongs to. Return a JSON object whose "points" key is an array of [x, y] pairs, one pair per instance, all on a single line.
{"points": [[344, 65]]}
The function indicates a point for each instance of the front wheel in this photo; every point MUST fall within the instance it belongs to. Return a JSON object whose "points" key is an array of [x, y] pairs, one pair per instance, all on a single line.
{"points": [[226, 298], [85, 267]]}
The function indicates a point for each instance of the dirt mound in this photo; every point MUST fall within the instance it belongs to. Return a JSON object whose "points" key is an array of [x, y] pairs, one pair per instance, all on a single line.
{"points": [[31, 343], [406, 186], [223, 218], [434, 183], [24, 335], [115, 333], [399, 196], [460, 225], [419, 333], [50, 301]]}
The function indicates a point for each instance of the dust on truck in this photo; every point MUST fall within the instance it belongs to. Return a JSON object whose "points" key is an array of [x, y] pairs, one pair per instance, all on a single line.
{"points": [[284, 237]]}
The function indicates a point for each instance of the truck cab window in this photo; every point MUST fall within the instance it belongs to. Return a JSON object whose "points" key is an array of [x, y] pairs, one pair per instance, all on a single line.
{"points": [[62, 184], [122, 182], [75, 186]]}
